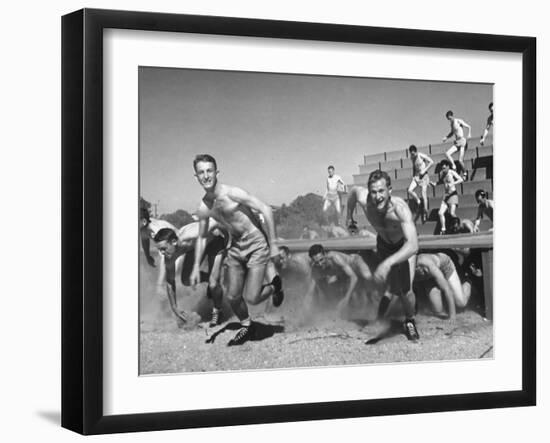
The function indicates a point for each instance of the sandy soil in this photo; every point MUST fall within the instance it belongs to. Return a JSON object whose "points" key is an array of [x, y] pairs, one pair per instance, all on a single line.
{"points": [[285, 338]]}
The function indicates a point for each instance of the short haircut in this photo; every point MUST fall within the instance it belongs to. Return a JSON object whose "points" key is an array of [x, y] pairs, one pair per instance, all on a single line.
{"points": [[144, 214], [480, 193], [454, 223], [285, 249], [165, 234], [204, 158], [490, 105], [330, 167], [446, 162], [412, 148], [316, 249], [378, 175], [449, 114]]}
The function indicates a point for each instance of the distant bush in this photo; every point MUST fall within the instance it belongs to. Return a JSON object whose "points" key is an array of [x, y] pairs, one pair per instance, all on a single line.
{"points": [[304, 210], [178, 219]]}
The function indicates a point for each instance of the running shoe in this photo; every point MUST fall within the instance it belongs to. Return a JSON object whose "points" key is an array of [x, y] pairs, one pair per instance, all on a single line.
{"points": [[409, 326], [243, 335], [216, 318]]}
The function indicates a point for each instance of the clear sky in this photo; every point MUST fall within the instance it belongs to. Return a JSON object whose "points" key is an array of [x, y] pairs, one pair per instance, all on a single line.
{"points": [[275, 134]]}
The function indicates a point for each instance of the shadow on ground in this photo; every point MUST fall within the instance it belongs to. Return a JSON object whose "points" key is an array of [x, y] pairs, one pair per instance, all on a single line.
{"points": [[261, 331]]}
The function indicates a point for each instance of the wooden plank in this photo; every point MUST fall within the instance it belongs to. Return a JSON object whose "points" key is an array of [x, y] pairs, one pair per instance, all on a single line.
{"points": [[482, 240]]}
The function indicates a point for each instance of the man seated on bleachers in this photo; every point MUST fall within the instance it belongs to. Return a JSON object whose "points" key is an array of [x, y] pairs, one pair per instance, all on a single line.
{"points": [[485, 207], [436, 274]]}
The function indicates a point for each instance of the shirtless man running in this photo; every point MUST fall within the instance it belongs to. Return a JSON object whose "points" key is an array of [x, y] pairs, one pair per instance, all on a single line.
{"points": [[485, 208], [396, 244], [421, 164], [250, 248], [335, 186], [450, 179], [460, 143]]}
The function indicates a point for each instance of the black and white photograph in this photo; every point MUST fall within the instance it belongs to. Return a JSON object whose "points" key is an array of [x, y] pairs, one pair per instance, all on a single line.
{"points": [[286, 297], [292, 221]]}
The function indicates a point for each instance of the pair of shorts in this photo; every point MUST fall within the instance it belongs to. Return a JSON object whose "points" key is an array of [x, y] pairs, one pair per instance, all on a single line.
{"points": [[451, 199], [460, 142], [217, 245], [399, 278], [332, 197], [249, 250], [446, 265]]}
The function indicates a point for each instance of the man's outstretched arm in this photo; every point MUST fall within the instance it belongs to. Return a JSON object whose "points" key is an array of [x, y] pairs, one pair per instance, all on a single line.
{"points": [[171, 292]]}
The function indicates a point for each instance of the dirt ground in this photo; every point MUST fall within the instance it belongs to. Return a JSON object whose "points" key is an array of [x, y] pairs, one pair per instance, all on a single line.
{"points": [[286, 337]]}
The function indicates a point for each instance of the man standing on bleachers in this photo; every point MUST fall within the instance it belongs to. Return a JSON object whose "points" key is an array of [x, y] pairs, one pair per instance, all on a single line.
{"points": [[421, 164], [450, 179], [485, 207], [460, 143], [488, 126], [335, 187]]}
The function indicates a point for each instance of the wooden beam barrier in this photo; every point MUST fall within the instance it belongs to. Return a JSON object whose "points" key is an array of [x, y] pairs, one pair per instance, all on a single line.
{"points": [[483, 241]]}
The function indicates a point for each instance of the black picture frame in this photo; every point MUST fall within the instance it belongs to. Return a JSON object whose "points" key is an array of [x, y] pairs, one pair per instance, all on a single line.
{"points": [[82, 220]]}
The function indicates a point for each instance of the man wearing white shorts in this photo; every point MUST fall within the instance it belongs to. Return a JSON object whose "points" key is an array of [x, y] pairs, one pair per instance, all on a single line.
{"points": [[335, 186], [460, 143]]}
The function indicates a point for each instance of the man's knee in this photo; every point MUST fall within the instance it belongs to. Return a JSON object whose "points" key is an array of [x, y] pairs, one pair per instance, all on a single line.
{"points": [[233, 295], [460, 302]]}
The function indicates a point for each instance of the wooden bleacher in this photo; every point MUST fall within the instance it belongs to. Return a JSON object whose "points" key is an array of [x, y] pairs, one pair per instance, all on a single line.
{"points": [[478, 160]]}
